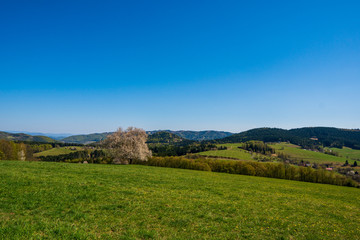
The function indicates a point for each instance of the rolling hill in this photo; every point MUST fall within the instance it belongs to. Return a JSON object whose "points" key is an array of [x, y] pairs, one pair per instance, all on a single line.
{"points": [[25, 137], [305, 137], [164, 137], [92, 201], [189, 135], [86, 138], [201, 135]]}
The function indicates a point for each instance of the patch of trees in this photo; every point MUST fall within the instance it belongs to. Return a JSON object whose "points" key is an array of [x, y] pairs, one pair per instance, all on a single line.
{"points": [[330, 152], [167, 138], [271, 170], [96, 156], [258, 147], [40, 147], [10, 150], [53, 144], [176, 150]]}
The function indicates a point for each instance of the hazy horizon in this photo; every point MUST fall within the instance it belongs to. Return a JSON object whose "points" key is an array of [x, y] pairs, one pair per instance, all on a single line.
{"points": [[150, 130]]}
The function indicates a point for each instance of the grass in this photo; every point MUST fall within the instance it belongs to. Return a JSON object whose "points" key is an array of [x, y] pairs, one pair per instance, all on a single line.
{"points": [[40, 200], [296, 152], [232, 151], [351, 154], [57, 151]]}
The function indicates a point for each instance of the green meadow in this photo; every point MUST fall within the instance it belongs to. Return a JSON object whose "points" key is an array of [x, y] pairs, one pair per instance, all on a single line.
{"points": [[41, 200], [296, 152], [57, 151], [348, 153]]}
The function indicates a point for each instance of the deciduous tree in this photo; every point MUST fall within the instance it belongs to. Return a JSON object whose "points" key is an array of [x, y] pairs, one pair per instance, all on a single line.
{"points": [[128, 146]]}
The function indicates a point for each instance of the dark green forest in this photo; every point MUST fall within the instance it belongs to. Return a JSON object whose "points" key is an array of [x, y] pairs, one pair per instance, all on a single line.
{"points": [[310, 137]]}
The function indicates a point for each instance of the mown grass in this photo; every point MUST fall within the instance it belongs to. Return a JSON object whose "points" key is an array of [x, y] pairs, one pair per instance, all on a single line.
{"points": [[57, 151], [232, 151], [41, 200], [295, 152]]}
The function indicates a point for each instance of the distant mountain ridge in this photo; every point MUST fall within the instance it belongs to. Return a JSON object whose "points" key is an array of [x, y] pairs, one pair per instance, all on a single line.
{"points": [[200, 135], [25, 137], [307, 137], [189, 135], [56, 136], [86, 138]]}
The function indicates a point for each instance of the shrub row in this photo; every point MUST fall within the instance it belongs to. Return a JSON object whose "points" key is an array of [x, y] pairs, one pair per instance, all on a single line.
{"points": [[271, 170]]}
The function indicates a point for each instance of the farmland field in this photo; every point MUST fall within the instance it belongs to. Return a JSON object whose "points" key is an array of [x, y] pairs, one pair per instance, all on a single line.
{"points": [[57, 151], [350, 154], [88, 201], [296, 152]]}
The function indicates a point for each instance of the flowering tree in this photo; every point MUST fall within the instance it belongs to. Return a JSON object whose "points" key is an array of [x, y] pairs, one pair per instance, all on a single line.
{"points": [[128, 146]]}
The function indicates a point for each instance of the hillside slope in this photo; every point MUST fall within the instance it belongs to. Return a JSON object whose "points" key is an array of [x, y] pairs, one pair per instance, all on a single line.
{"points": [[164, 137], [25, 137], [189, 135], [91, 201], [201, 135], [306, 137], [86, 138]]}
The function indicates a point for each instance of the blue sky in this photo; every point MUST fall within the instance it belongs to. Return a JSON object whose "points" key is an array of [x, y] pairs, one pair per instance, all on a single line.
{"points": [[92, 66]]}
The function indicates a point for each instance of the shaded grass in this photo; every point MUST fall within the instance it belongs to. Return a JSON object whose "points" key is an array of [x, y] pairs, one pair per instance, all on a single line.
{"points": [[84, 201]]}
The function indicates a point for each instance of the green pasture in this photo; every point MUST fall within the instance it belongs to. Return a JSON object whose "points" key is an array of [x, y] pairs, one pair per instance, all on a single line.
{"points": [[57, 151], [348, 153], [41, 200], [295, 152]]}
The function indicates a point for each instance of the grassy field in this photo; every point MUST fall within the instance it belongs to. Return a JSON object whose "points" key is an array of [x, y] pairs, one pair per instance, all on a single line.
{"points": [[57, 151], [41, 200], [296, 152], [350, 154], [232, 151]]}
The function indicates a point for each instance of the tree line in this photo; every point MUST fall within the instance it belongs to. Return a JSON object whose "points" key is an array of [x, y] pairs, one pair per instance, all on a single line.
{"points": [[91, 156], [261, 169]]}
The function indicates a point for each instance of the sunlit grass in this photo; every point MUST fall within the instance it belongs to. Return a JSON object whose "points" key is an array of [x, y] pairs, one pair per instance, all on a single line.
{"points": [[57, 151], [295, 152], [85, 201]]}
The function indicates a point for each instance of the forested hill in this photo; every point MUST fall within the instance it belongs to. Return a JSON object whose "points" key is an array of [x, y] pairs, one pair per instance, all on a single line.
{"points": [[165, 137], [306, 137], [328, 136], [189, 135], [86, 138], [197, 135], [25, 137]]}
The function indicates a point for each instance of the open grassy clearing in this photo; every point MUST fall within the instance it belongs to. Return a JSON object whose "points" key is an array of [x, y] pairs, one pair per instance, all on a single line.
{"points": [[232, 151], [350, 154], [296, 152], [57, 151], [85, 201]]}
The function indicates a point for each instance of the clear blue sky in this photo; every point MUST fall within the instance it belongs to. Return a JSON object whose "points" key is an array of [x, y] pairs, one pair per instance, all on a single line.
{"points": [[92, 66]]}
